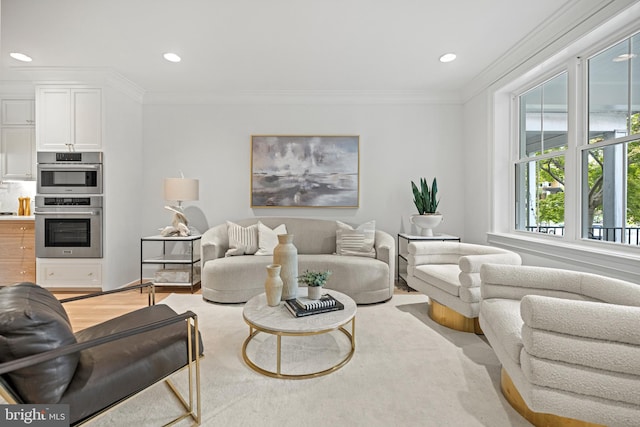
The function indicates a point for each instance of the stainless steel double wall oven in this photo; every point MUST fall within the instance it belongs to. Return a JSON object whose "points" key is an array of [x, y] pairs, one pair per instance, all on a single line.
{"points": [[68, 205]]}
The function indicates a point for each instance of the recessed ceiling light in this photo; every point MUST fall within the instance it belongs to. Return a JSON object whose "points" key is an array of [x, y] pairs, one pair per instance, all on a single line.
{"points": [[172, 57], [624, 57], [20, 56], [448, 57]]}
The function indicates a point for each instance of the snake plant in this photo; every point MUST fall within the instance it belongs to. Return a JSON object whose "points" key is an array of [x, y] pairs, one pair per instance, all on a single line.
{"points": [[425, 199]]}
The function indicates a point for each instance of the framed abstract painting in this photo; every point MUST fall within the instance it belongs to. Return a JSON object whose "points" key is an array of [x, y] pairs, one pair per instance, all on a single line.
{"points": [[305, 171]]}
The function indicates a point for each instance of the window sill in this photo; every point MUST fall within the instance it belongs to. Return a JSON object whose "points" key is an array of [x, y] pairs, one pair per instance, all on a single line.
{"points": [[593, 257]]}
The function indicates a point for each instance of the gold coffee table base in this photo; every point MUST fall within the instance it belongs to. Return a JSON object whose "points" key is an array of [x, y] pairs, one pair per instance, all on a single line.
{"points": [[254, 330]]}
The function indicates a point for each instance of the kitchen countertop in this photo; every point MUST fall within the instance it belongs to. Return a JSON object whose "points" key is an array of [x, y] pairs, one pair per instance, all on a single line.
{"points": [[17, 218]]}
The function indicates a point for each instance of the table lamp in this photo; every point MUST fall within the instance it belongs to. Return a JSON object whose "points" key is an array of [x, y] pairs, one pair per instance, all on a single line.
{"points": [[179, 190]]}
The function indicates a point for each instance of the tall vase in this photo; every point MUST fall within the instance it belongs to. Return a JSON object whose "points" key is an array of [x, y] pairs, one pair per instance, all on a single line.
{"points": [[286, 254], [273, 285]]}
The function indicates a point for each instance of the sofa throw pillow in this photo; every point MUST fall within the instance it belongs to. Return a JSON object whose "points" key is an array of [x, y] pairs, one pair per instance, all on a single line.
{"points": [[268, 238], [242, 240], [33, 321], [357, 242]]}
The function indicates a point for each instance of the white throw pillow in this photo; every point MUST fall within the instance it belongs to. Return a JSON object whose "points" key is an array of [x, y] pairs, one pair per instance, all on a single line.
{"points": [[358, 242], [242, 240], [268, 238]]}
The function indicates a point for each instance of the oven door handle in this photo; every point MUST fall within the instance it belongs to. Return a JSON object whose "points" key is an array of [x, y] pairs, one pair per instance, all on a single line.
{"points": [[67, 213], [57, 166]]}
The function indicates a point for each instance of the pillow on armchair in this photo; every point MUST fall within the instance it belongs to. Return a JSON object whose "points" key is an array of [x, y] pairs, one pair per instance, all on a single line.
{"points": [[33, 321]]}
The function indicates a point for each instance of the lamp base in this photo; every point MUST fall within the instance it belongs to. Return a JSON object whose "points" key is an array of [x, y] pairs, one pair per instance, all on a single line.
{"points": [[179, 225]]}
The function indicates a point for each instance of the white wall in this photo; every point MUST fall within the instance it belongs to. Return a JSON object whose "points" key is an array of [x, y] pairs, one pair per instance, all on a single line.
{"points": [[123, 190], [476, 163], [398, 143], [11, 191]]}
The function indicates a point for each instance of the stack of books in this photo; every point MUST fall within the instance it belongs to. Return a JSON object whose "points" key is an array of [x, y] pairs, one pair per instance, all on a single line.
{"points": [[300, 307]]}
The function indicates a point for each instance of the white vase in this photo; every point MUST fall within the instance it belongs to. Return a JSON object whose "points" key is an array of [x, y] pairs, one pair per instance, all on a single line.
{"points": [[286, 254], [314, 292], [273, 285], [426, 223]]}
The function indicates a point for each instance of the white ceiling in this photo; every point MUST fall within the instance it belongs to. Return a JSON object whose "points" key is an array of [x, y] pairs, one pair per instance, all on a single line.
{"points": [[272, 45]]}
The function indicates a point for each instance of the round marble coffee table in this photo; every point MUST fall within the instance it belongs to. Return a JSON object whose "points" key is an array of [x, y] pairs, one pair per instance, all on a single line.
{"points": [[280, 322]]}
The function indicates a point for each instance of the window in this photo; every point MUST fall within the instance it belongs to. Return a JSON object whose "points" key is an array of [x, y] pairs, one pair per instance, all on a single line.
{"points": [[603, 165], [540, 168], [610, 161]]}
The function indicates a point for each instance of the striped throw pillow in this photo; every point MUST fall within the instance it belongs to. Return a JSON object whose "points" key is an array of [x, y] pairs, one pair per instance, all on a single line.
{"points": [[357, 242], [242, 240]]}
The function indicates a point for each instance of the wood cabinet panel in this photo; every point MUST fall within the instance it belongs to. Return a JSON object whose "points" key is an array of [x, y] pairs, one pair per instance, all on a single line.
{"points": [[17, 227], [16, 248], [17, 252], [13, 272]]}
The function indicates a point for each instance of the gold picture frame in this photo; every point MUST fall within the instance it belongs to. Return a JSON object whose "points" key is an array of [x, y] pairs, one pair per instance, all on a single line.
{"points": [[305, 171]]}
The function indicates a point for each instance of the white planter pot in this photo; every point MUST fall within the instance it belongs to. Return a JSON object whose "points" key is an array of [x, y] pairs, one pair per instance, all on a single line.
{"points": [[314, 292], [426, 223]]}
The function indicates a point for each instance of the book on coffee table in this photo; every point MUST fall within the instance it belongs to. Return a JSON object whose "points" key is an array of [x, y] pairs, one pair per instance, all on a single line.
{"points": [[302, 306]]}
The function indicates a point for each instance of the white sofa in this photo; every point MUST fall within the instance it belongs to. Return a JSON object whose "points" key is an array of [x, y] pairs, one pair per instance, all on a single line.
{"points": [[236, 279], [569, 342], [449, 274]]}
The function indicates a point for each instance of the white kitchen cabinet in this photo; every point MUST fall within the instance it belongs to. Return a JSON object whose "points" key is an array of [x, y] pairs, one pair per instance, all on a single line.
{"points": [[18, 112], [17, 140], [68, 118], [18, 153], [65, 274]]}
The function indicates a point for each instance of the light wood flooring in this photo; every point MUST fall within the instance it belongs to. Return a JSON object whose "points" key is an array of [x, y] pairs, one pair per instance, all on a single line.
{"points": [[91, 311]]}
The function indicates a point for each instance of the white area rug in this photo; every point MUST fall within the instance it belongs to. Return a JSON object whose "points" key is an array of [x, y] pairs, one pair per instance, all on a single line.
{"points": [[406, 371]]}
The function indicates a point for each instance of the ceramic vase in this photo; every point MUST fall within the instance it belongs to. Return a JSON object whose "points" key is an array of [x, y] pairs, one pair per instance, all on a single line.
{"points": [[314, 292], [273, 285], [286, 254]]}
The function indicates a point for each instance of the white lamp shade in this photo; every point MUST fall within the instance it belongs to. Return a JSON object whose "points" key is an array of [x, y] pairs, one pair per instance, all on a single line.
{"points": [[181, 189]]}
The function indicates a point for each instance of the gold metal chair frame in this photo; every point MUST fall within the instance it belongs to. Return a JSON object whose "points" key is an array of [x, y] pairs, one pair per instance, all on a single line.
{"points": [[192, 409], [255, 330], [193, 367]]}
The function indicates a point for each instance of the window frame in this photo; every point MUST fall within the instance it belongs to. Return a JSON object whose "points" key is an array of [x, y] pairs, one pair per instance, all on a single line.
{"points": [[614, 259], [518, 158], [577, 140]]}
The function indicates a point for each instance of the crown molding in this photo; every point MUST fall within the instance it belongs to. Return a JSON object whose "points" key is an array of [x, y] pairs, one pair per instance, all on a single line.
{"points": [[304, 97], [102, 76], [573, 20]]}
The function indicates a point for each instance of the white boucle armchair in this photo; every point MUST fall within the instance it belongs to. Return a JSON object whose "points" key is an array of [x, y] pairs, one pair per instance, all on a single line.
{"points": [[449, 274], [569, 343]]}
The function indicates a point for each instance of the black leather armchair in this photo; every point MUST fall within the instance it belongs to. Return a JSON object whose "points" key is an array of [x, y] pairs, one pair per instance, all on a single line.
{"points": [[44, 362]]}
